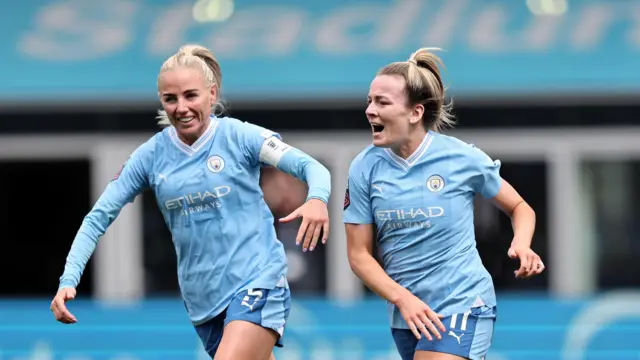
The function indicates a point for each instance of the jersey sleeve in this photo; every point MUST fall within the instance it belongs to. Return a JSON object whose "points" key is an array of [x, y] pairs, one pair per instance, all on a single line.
{"points": [[267, 148], [123, 188], [262, 146], [357, 203], [485, 173]]}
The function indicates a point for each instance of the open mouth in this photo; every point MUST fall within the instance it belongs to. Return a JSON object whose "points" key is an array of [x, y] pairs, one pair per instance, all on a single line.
{"points": [[377, 128]]}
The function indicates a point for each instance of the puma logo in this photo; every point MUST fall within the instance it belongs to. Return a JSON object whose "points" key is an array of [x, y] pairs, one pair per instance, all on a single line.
{"points": [[456, 336]]}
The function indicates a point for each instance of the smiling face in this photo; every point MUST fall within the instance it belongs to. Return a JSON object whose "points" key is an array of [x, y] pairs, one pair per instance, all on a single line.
{"points": [[187, 100], [391, 116]]}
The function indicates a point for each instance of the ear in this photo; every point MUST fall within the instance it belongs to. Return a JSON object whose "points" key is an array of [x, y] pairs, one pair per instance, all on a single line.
{"points": [[416, 114], [214, 93]]}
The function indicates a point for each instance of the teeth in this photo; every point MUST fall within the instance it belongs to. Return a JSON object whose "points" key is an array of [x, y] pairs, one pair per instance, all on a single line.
{"points": [[185, 120]]}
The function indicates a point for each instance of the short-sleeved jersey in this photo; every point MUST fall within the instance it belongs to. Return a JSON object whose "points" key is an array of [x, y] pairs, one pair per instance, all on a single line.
{"points": [[422, 210], [211, 200]]}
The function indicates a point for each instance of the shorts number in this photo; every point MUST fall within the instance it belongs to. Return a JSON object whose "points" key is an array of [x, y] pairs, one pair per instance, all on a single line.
{"points": [[248, 302]]}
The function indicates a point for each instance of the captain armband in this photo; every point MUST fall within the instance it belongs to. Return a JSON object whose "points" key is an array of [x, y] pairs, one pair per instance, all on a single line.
{"points": [[272, 151]]}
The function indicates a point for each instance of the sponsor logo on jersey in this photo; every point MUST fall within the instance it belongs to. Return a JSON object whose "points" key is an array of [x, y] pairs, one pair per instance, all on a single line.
{"points": [[207, 200], [421, 218]]}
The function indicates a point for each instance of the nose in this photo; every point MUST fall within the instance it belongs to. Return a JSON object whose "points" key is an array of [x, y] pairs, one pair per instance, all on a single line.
{"points": [[371, 111], [182, 107]]}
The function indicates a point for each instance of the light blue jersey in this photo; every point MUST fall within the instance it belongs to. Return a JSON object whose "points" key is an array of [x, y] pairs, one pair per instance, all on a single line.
{"points": [[422, 208], [210, 198]]}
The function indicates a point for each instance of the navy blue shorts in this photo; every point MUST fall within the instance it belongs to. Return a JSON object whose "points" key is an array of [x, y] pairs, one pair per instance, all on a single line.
{"points": [[267, 308], [468, 335]]}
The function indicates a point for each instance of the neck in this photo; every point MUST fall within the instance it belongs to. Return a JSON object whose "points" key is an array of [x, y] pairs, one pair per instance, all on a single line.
{"points": [[411, 145], [188, 139]]}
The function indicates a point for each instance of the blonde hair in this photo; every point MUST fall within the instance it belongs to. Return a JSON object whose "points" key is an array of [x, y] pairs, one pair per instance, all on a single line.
{"points": [[424, 86], [198, 57]]}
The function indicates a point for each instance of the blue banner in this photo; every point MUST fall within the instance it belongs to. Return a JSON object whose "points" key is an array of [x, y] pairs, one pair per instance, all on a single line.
{"points": [[290, 49], [606, 327]]}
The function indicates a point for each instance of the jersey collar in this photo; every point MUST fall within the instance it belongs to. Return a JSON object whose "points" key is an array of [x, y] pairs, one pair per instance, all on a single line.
{"points": [[199, 144], [413, 158]]}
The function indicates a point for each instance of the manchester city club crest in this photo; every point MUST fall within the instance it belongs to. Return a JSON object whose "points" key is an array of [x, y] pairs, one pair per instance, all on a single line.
{"points": [[435, 183], [215, 164]]}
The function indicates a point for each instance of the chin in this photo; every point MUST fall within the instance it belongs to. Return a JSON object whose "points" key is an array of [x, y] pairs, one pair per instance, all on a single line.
{"points": [[194, 125], [383, 143], [189, 131]]}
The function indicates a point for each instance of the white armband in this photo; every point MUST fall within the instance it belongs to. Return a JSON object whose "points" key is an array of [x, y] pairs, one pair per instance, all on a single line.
{"points": [[272, 151]]}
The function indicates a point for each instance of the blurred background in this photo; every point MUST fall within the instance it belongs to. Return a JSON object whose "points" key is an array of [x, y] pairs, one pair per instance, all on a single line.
{"points": [[549, 87]]}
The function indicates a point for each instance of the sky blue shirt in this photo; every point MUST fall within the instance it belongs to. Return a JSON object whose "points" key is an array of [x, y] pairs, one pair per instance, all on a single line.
{"points": [[210, 198], [422, 208]]}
